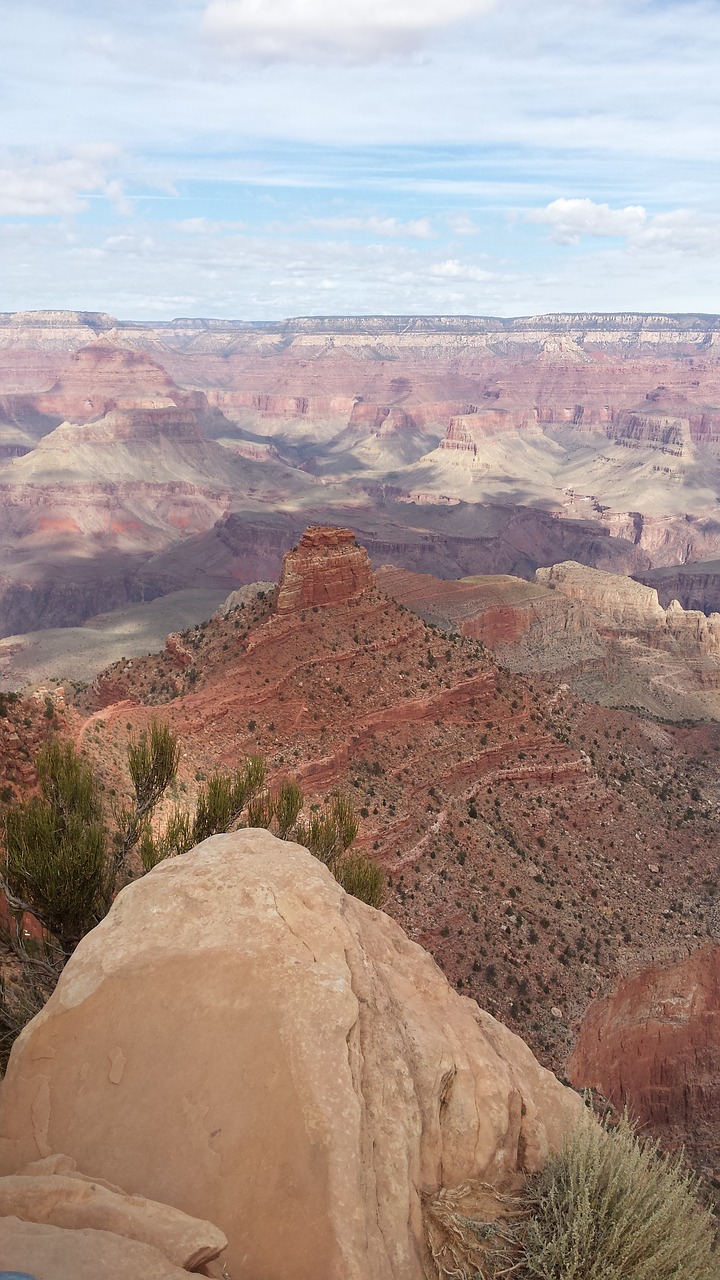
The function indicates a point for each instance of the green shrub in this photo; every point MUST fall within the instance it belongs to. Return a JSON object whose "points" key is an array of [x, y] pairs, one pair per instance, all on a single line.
{"points": [[288, 806], [56, 865], [63, 864], [362, 877], [610, 1206], [329, 834]]}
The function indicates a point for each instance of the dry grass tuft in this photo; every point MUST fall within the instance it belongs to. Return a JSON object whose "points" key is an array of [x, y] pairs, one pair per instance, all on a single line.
{"points": [[472, 1231], [608, 1206]]}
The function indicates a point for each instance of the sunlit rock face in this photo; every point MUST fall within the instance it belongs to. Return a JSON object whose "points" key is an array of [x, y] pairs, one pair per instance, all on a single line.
{"points": [[457, 444]]}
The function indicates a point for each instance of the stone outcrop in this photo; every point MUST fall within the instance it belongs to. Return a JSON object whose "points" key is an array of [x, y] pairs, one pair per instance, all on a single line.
{"points": [[326, 568], [58, 1223], [241, 1039], [39, 1250], [626, 606], [525, 624], [605, 635], [52, 1191], [654, 1046]]}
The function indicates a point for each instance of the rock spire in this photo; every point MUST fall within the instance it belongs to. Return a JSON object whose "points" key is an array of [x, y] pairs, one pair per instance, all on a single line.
{"points": [[326, 568]]}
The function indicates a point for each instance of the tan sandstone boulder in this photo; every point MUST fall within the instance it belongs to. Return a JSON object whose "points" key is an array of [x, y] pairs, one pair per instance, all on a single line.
{"points": [[241, 1039], [74, 1203], [50, 1253]]}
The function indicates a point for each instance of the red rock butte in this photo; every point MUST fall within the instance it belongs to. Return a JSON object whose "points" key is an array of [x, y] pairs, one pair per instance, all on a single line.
{"points": [[326, 568]]}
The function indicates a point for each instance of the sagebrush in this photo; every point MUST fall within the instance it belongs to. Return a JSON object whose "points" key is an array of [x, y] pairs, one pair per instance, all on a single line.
{"points": [[611, 1206], [608, 1206]]}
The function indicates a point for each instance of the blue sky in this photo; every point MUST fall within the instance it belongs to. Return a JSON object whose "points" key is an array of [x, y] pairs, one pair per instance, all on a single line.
{"points": [[263, 158]]}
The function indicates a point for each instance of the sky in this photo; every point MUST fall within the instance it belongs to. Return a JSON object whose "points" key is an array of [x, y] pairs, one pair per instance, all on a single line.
{"points": [[256, 159]]}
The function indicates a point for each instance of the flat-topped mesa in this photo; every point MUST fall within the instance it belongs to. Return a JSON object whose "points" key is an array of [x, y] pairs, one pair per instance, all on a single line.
{"points": [[326, 568]]}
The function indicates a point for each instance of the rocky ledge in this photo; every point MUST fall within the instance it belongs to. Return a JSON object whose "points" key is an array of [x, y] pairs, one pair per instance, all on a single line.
{"points": [[653, 1046], [58, 1223]]}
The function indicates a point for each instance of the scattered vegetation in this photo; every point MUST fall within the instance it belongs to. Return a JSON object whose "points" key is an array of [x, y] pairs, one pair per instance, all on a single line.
{"points": [[57, 866], [66, 858], [608, 1206]]}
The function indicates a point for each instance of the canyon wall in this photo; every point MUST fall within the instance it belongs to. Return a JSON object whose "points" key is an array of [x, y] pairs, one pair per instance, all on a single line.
{"points": [[653, 1046], [601, 434]]}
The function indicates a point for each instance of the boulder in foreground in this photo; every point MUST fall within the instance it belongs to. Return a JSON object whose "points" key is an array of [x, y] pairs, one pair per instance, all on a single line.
{"points": [[241, 1039], [76, 1202]]}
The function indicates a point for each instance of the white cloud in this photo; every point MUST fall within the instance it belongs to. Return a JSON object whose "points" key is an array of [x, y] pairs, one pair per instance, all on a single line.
{"points": [[452, 269], [416, 229], [462, 225], [569, 220], [680, 230], [57, 187], [364, 28]]}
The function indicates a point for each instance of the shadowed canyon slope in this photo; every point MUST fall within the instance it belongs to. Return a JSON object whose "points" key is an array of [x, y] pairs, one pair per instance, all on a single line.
{"points": [[139, 459]]}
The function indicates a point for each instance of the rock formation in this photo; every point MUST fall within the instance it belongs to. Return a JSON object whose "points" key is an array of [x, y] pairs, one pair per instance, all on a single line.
{"points": [[606, 635], [39, 1250], [468, 780], [653, 1046], [242, 1040], [52, 1193], [608, 426], [526, 625], [327, 568], [623, 605], [694, 585]]}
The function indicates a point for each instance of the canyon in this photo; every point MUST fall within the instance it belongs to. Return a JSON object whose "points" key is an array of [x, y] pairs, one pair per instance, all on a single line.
{"points": [[137, 459], [538, 845], [463, 570], [605, 635]]}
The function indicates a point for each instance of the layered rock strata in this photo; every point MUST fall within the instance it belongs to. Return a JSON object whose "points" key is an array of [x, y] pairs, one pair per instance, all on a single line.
{"points": [[63, 1224], [326, 568], [243, 1040], [623, 605]]}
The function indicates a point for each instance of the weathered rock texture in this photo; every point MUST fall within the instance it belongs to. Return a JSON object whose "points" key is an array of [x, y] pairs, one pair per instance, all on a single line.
{"points": [[241, 1039], [526, 625], [604, 634], [52, 1253], [61, 1197], [132, 453], [654, 1046], [624, 605], [327, 568]]}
